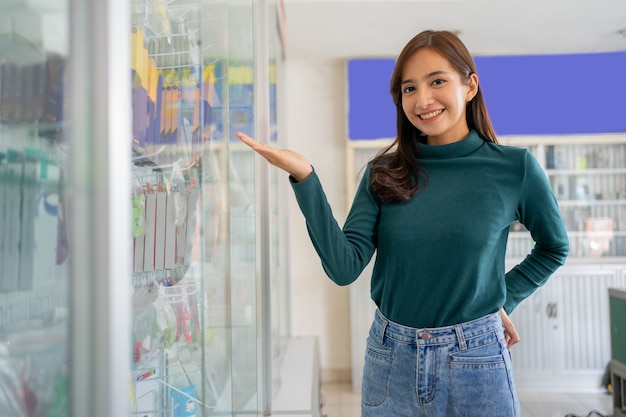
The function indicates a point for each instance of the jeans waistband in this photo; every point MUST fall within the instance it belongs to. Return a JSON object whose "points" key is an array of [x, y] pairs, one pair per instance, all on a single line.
{"points": [[383, 327]]}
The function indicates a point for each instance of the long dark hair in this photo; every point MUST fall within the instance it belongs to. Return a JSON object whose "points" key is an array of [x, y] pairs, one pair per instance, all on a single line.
{"points": [[396, 173]]}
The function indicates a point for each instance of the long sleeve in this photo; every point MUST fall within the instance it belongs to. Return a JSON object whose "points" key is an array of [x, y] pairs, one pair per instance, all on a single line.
{"points": [[538, 211], [440, 256], [344, 253]]}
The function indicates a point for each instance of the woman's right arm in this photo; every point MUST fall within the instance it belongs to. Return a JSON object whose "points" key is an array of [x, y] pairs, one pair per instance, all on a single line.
{"points": [[346, 251], [343, 252]]}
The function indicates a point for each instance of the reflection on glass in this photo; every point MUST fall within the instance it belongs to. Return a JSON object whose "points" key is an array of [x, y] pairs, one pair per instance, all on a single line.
{"points": [[194, 302], [168, 128], [238, 86], [34, 247]]}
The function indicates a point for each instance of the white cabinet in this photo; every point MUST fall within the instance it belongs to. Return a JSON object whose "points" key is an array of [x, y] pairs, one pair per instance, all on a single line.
{"points": [[564, 330]]}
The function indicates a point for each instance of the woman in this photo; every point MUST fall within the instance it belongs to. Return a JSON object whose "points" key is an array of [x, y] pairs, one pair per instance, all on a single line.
{"points": [[436, 206]]}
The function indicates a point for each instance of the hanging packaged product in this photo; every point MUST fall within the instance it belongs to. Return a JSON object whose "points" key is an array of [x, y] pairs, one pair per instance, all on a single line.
{"points": [[184, 401]]}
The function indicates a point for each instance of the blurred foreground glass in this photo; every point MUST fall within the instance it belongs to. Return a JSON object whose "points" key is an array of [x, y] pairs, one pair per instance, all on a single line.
{"points": [[34, 231]]}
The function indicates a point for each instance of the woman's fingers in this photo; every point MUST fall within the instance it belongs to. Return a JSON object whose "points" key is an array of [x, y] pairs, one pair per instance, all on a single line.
{"points": [[260, 147], [293, 163], [245, 138], [509, 329], [263, 149]]}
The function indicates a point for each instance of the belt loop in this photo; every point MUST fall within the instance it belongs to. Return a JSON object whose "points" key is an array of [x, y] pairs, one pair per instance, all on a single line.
{"points": [[383, 325], [383, 329], [459, 335]]}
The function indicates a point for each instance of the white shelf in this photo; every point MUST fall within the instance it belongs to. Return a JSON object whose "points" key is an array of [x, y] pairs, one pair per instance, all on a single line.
{"points": [[299, 376], [297, 381]]}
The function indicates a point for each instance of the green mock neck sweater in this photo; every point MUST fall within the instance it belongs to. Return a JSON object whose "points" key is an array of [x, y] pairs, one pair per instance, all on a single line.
{"points": [[440, 257]]}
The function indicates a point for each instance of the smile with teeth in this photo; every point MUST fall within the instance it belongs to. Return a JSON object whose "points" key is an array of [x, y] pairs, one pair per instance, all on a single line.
{"points": [[430, 115]]}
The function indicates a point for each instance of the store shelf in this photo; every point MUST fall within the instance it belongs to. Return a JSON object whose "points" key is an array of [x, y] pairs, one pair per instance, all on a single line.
{"points": [[298, 392]]}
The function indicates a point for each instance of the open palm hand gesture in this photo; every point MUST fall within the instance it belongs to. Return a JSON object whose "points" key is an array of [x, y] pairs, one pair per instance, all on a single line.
{"points": [[292, 162]]}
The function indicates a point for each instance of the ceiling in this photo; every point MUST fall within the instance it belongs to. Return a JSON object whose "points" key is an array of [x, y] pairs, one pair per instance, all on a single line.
{"points": [[340, 29]]}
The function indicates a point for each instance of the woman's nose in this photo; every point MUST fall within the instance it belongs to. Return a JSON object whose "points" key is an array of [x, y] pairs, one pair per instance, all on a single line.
{"points": [[422, 99]]}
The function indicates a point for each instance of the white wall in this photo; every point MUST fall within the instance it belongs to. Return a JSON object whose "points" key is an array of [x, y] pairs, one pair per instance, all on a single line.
{"points": [[314, 125]]}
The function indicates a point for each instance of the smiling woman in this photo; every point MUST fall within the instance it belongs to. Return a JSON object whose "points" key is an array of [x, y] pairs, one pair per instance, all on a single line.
{"points": [[435, 207], [491, 29], [582, 153]]}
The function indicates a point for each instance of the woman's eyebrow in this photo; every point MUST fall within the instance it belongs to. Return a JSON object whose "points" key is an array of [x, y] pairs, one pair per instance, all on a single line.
{"points": [[427, 76], [434, 73]]}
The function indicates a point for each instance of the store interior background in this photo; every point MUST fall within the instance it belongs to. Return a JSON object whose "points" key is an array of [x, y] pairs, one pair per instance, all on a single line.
{"points": [[265, 340], [321, 35]]}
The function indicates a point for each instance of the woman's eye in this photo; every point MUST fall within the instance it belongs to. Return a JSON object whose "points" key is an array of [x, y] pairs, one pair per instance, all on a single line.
{"points": [[439, 81], [408, 89]]}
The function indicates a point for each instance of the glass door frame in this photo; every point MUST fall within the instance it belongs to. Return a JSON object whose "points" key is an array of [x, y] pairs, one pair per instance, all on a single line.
{"points": [[99, 123]]}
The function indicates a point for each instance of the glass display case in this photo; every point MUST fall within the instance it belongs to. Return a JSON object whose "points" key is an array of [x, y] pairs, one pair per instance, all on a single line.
{"points": [[34, 189], [135, 231], [207, 258]]}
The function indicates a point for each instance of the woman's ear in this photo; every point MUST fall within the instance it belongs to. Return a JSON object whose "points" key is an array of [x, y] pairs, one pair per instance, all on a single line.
{"points": [[472, 84]]}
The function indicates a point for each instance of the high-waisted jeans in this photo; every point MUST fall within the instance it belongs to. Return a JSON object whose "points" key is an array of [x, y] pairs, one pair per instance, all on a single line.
{"points": [[461, 370]]}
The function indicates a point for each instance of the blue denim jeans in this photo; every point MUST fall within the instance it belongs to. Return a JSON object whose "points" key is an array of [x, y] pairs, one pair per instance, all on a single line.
{"points": [[462, 370]]}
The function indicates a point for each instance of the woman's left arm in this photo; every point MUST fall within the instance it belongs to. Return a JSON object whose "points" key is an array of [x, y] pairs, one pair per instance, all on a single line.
{"points": [[539, 212]]}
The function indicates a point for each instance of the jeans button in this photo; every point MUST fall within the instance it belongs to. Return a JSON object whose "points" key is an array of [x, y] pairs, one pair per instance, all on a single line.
{"points": [[425, 336]]}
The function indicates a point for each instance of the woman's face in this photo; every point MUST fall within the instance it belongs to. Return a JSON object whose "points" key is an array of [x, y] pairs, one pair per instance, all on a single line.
{"points": [[434, 97]]}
